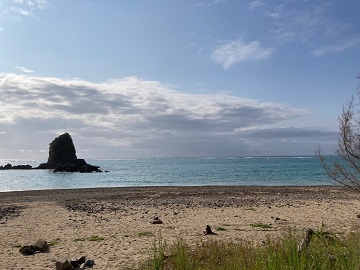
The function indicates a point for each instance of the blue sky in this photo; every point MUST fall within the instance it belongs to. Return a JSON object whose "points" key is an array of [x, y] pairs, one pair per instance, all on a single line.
{"points": [[175, 78]]}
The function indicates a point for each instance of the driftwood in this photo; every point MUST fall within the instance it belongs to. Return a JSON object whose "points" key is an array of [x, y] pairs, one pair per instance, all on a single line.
{"points": [[306, 241]]}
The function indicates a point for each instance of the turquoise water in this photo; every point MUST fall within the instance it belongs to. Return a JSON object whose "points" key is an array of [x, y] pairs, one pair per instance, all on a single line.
{"points": [[264, 171]]}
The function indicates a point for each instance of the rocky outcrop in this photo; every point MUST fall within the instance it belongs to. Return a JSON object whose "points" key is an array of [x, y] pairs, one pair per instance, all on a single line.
{"points": [[77, 165], [62, 157], [61, 151], [40, 246], [15, 167], [81, 263]]}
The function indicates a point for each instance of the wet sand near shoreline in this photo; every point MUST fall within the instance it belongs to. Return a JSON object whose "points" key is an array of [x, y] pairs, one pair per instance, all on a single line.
{"points": [[121, 218]]}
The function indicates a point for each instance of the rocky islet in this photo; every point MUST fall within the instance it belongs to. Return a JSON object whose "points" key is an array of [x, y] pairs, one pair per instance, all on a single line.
{"points": [[62, 158]]}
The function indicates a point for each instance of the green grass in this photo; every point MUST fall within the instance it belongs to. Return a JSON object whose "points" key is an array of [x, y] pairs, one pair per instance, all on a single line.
{"points": [[327, 236], [94, 238], [145, 234], [54, 242], [220, 229], [261, 225], [281, 253]]}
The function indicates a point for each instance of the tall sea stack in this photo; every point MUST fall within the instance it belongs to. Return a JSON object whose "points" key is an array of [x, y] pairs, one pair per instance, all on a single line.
{"points": [[61, 151], [62, 157]]}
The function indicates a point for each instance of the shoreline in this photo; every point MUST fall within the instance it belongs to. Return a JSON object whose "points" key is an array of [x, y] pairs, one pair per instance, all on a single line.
{"points": [[187, 191], [122, 218]]}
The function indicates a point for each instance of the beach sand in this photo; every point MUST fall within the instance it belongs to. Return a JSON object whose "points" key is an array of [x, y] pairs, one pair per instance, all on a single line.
{"points": [[121, 218]]}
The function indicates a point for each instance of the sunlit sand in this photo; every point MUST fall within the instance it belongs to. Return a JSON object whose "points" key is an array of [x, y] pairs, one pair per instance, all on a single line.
{"points": [[114, 226]]}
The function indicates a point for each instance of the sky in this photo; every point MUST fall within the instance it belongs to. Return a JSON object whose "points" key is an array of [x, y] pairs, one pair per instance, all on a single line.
{"points": [[151, 78]]}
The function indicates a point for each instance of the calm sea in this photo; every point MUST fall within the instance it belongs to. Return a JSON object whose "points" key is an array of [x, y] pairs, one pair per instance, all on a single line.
{"points": [[265, 171]]}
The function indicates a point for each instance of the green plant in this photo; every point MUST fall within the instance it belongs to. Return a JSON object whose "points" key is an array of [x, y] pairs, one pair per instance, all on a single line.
{"points": [[96, 238], [145, 234], [327, 236], [158, 254], [261, 225], [279, 253], [220, 229], [54, 242]]}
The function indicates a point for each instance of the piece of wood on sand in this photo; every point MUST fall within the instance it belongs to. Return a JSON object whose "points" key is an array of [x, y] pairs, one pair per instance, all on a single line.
{"points": [[306, 241]]}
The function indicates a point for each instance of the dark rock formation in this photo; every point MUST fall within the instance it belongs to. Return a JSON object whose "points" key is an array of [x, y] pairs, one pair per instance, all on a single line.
{"points": [[40, 246], [61, 151], [157, 220], [90, 263], [27, 250], [77, 165], [62, 157], [15, 167], [65, 265], [10, 211], [208, 231], [74, 264]]}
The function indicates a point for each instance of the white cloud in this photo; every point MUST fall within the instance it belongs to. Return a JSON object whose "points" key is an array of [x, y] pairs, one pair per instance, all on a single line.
{"points": [[130, 116], [256, 4], [235, 51], [17, 9], [336, 47], [211, 3], [24, 70], [32, 3], [41, 3], [299, 22], [21, 11], [312, 23]]}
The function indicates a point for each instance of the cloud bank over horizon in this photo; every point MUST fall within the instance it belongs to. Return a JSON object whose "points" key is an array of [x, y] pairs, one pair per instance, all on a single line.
{"points": [[132, 117]]}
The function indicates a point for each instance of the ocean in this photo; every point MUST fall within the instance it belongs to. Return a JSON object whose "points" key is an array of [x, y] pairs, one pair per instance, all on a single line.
{"points": [[204, 171]]}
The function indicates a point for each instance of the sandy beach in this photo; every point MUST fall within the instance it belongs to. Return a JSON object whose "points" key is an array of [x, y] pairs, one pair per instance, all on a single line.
{"points": [[120, 219]]}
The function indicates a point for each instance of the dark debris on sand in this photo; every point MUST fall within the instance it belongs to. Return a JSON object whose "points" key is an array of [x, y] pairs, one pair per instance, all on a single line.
{"points": [[10, 211], [109, 200], [112, 200]]}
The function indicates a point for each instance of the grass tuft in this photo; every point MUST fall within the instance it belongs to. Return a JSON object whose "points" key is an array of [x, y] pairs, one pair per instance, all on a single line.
{"points": [[261, 225], [145, 234], [54, 242], [96, 238], [281, 253]]}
